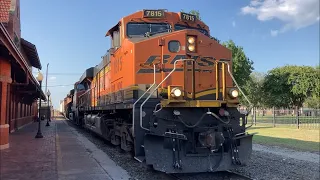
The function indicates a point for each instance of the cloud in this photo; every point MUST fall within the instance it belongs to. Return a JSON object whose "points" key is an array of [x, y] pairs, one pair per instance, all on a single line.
{"points": [[233, 24], [274, 32], [295, 14], [53, 78]]}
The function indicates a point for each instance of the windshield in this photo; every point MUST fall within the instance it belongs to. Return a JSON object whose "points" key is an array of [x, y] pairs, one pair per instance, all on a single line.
{"points": [[178, 27], [140, 29]]}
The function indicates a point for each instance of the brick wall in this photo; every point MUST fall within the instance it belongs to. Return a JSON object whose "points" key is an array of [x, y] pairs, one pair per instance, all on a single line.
{"points": [[20, 113], [14, 27]]}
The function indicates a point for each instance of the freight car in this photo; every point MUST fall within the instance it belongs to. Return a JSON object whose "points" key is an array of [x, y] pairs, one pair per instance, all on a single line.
{"points": [[68, 103], [164, 91], [61, 107]]}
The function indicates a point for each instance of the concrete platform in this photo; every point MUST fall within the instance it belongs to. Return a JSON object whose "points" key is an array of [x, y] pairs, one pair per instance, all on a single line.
{"points": [[62, 154]]}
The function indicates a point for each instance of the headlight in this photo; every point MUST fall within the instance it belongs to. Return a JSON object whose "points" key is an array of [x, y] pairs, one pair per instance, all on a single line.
{"points": [[191, 43], [191, 40], [191, 48], [234, 93], [175, 92]]}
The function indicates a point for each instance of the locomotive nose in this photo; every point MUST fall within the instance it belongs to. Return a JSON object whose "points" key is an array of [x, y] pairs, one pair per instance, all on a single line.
{"points": [[212, 140]]}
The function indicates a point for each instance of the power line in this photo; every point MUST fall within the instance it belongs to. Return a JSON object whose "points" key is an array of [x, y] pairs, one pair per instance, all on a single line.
{"points": [[62, 73], [61, 85], [65, 74]]}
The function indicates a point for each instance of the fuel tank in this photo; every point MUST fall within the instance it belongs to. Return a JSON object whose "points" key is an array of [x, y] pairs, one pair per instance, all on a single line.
{"points": [[87, 119], [93, 122]]}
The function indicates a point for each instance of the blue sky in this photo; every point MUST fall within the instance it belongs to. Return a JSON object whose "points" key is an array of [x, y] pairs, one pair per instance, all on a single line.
{"points": [[70, 35]]}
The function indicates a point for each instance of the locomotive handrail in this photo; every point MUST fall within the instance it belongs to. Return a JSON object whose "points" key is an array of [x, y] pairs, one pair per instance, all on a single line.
{"points": [[87, 98], [84, 93], [174, 68], [234, 80], [134, 104]]}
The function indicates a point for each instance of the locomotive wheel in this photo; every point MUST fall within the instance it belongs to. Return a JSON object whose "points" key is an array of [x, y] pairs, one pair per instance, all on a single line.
{"points": [[105, 130], [115, 140], [125, 144]]}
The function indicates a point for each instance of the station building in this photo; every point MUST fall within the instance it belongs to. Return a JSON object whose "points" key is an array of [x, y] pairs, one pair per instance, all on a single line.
{"points": [[19, 89]]}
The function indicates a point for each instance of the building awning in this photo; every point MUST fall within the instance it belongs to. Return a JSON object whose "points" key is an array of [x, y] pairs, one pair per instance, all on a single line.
{"points": [[31, 52], [18, 57]]}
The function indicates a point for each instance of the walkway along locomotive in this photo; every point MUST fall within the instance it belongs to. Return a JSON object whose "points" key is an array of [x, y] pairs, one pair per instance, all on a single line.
{"points": [[164, 90]]}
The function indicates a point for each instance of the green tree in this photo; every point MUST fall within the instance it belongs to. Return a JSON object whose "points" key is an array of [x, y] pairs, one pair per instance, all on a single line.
{"points": [[314, 100], [289, 86], [194, 12], [242, 66], [253, 88]]}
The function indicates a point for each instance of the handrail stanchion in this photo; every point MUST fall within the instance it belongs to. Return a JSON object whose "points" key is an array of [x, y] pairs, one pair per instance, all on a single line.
{"points": [[217, 80], [193, 80], [155, 89], [223, 82], [134, 104], [234, 80]]}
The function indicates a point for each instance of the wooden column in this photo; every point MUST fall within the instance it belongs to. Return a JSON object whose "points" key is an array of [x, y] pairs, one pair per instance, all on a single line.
{"points": [[5, 80]]}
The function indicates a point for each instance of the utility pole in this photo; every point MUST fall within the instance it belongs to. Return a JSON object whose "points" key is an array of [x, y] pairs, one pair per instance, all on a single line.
{"points": [[45, 92], [46, 79]]}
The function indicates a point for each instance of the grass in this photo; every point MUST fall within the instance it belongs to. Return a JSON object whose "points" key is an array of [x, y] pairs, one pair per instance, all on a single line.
{"points": [[299, 139]]}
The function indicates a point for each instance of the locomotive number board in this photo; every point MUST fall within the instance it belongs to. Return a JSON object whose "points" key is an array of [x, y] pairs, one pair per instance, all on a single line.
{"points": [[188, 17], [153, 13]]}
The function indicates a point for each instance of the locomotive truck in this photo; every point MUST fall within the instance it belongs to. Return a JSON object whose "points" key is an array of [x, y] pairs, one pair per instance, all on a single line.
{"points": [[165, 91]]}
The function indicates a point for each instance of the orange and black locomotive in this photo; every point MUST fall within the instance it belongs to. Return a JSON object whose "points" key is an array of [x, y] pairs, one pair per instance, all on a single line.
{"points": [[164, 90]]}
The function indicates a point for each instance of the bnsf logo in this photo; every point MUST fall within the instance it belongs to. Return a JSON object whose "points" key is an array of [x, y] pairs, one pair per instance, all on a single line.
{"points": [[202, 63]]}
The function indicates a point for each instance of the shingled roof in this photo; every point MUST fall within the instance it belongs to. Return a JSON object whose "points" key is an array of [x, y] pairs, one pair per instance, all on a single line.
{"points": [[4, 10], [8, 43]]}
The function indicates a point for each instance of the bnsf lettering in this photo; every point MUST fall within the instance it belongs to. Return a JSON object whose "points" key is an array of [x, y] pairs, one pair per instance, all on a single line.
{"points": [[203, 62], [118, 65]]}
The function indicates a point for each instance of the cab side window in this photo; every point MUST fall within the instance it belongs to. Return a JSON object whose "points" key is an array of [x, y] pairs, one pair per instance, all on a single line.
{"points": [[80, 87]]}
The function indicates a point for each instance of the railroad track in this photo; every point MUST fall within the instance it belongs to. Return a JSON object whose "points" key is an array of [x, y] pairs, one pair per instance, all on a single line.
{"points": [[223, 175], [238, 175]]}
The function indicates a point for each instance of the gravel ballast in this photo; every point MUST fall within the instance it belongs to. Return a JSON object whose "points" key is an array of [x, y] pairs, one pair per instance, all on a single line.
{"points": [[271, 166], [263, 164]]}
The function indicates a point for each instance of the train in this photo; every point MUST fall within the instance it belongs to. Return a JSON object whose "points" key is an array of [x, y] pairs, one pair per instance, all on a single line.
{"points": [[165, 92]]}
